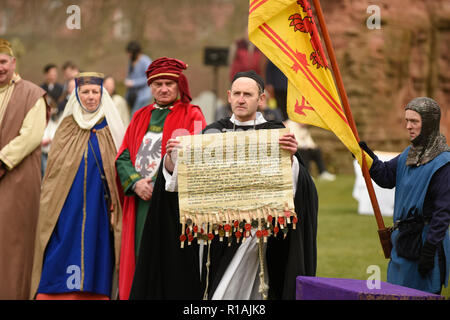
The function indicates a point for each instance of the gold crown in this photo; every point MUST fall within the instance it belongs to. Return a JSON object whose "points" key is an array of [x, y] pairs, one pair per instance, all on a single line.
{"points": [[90, 74], [89, 78]]}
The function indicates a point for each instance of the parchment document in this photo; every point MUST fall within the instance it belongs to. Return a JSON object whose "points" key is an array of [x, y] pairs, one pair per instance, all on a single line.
{"points": [[242, 171]]}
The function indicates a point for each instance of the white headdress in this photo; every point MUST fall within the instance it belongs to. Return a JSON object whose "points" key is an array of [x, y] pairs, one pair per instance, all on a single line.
{"points": [[107, 108]]}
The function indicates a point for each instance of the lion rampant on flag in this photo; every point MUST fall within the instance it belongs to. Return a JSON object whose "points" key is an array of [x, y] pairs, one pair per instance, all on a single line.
{"points": [[306, 24]]}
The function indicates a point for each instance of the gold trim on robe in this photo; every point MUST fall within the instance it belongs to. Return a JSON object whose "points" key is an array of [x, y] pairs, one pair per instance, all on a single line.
{"points": [[64, 159]]}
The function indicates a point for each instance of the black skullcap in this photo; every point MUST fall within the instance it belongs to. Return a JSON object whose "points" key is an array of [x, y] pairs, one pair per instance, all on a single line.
{"points": [[252, 75]]}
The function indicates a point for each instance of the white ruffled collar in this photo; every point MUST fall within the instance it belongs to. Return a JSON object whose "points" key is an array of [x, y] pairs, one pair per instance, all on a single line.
{"points": [[259, 120]]}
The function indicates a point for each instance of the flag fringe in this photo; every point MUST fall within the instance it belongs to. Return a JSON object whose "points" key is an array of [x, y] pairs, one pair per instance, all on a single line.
{"points": [[236, 225]]}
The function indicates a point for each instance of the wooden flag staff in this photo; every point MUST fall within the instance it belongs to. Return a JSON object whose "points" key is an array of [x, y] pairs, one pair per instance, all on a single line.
{"points": [[383, 232]]}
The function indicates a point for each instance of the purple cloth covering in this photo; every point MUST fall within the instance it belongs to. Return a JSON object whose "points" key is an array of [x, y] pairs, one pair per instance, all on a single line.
{"points": [[316, 288]]}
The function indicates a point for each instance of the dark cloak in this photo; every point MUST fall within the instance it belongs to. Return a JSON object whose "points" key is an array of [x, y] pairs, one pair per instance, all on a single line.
{"points": [[165, 271]]}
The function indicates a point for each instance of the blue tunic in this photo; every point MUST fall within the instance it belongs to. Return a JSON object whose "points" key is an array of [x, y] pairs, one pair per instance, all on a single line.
{"points": [[79, 255], [417, 187]]}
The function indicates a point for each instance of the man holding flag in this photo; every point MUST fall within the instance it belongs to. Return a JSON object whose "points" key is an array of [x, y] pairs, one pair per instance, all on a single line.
{"points": [[420, 174]]}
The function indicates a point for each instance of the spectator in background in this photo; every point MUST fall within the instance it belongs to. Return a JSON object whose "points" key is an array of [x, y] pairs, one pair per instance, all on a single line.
{"points": [[223, 111], [124, 110], [244, 56], [308, 149], [268, 113], [52, 125], [277, 87], [138, 94], [70, 70], [62, 104], [55, 93], [52, 87], [47, 139]]}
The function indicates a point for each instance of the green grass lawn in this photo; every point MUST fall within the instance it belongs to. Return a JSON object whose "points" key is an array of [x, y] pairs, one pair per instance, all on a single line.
{"points": [[347, 242]]}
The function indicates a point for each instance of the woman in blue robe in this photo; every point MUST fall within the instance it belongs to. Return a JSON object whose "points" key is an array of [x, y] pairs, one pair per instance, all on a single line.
{"points": [[78, 233]]}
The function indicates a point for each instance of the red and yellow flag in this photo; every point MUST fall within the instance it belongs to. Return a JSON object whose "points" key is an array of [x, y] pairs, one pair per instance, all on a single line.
{"points": [[285, 31]]}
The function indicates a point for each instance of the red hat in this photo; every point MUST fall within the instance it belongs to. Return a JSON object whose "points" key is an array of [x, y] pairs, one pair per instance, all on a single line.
{"points": [[168, 68]]}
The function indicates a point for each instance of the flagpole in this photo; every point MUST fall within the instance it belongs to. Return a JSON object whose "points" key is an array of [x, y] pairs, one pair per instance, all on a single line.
{"points": [[383, 232]]}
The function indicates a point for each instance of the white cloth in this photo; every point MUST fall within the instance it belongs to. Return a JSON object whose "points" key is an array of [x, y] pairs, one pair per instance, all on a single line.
{"points": [[385, 197], [258, 120], [49, 133], [241, 278], [122, 107], [301, 134], [88, 120]]}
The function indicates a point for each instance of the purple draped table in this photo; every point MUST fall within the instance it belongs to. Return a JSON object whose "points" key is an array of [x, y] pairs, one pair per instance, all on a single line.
{"points": [[316, 288]]}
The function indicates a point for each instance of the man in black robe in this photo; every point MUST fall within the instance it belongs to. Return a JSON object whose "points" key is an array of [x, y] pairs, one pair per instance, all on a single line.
{"points": [[166, 271]]}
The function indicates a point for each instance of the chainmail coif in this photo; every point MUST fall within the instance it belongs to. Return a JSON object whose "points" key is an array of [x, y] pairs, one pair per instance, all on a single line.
{"points": [[430, 142]]}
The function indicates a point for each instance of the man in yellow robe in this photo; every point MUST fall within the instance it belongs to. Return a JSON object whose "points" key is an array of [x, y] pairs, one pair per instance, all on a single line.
{"points": [[23, 113]]}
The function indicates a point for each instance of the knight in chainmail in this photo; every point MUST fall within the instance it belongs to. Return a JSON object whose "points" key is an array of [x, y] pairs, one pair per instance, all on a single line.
{"points": [[420, 256], [430, 143]]}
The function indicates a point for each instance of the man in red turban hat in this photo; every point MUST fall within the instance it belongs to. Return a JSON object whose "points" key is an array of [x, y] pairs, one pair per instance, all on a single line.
{"points": [[144, 146], [167, 68]]}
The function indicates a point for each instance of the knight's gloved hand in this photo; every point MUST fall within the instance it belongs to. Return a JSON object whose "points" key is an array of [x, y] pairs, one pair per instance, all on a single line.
{"points": [[426, 260], [364, 146]]}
